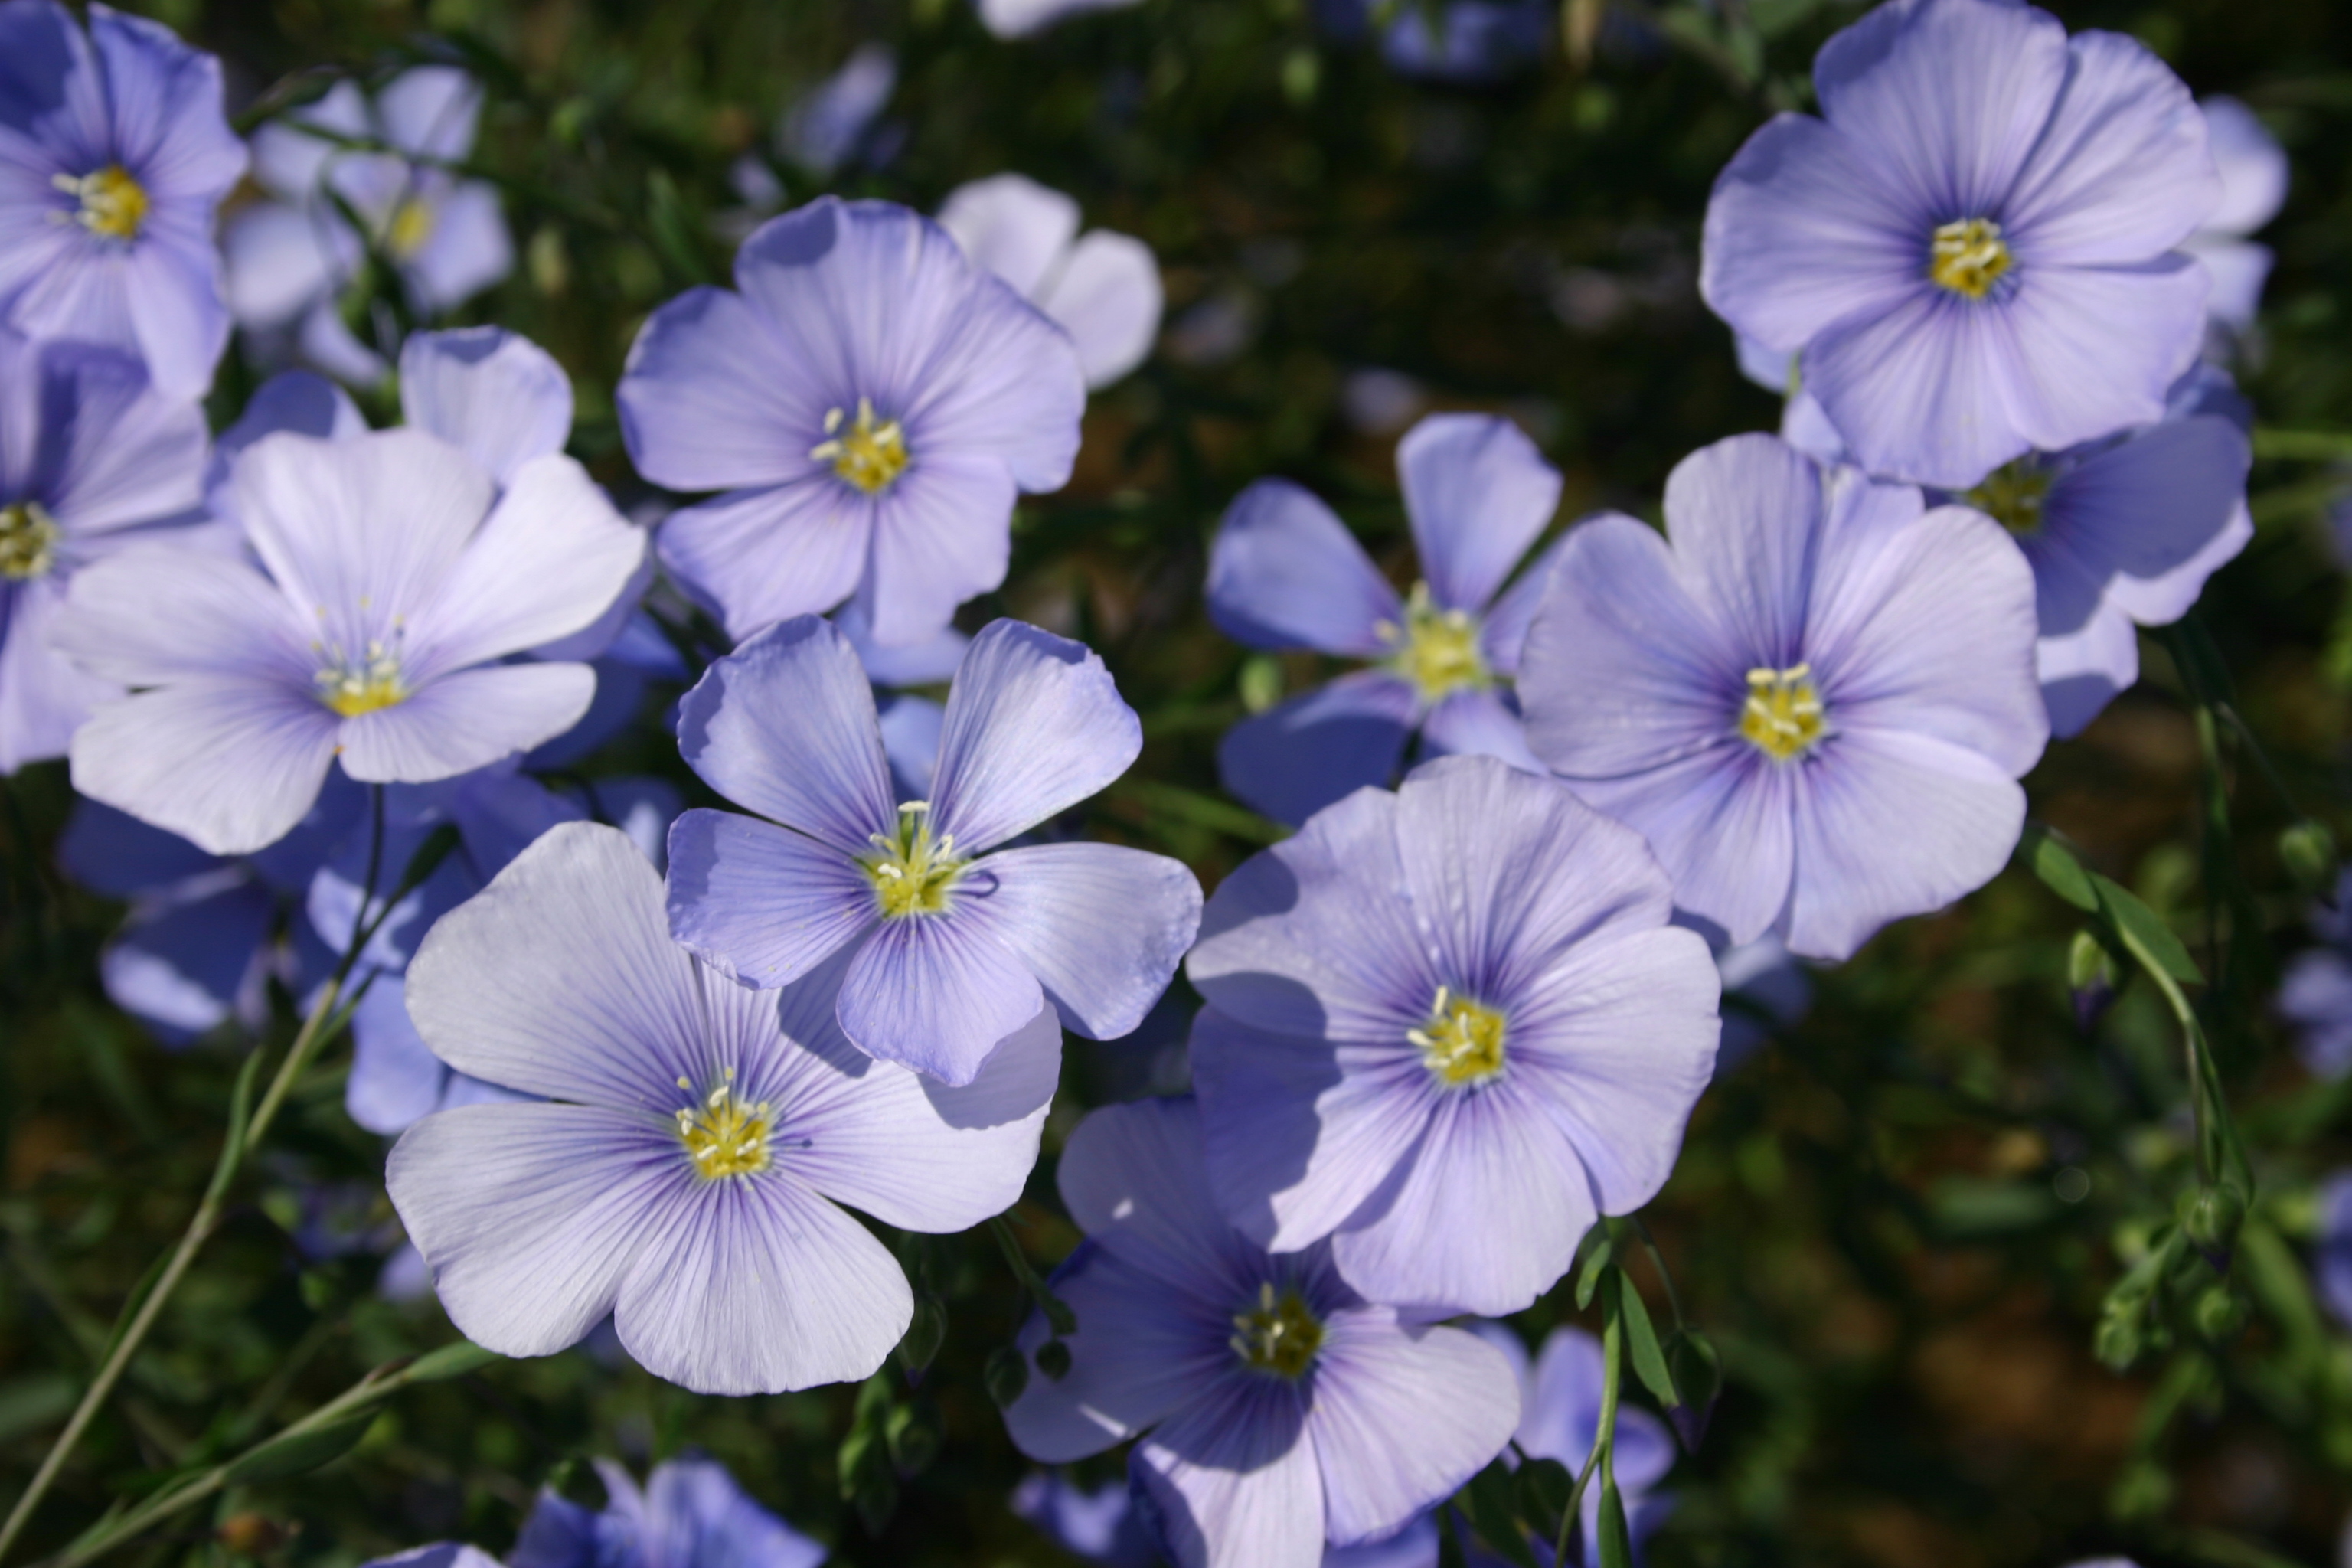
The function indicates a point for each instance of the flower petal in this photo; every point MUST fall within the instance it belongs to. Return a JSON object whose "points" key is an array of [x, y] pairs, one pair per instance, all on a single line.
{"points": [[756, 557], [1286, 573], [188, 967], [1479, 493], [230, 765], [938, 541], [1135, 1177], [2148, 507], [1234, 1481], [1295, 760], [157, 613], [785, 726], [761, 904], [1478, 724], [712, 398], [1744, 516], [1011, 226], [936, 993], [1400, 1418], [1720, 823], [2121, 172], [494, 393], [396, 1078], [44, 696], [123, 454], [1107, 297], [465, 721], [1102, 926], [1034, 725]]}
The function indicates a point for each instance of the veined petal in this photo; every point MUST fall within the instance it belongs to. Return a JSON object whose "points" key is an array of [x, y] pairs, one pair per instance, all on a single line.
{"points": [[758, 904], [1034, 725], [1134, 1176], [1102, 926], [1299, 758], [229, 765], [712, 398], [1720, 823], [1286, 573], [1233, 1480], [1011, 226], [1108, 298], [123, 454], [2084, 670], [1479, 493], [757, 557], [494, 393], [2121, 172], [942, 534], [1400, 1418], [465, 721], [1478, 724], [936, 993], [155, 613], [1743, 515]]}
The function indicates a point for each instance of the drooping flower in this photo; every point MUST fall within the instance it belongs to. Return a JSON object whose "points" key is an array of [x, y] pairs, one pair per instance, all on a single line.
{"points": [[392, 576], [870, 401], [691, 1514], [2254, 172], [2316, 995], [833, 125], [2332, 1255], [1974, 248], [2122, 533], [1101, 288], [1275, 1407], [1813, 696], [92, 459], [1446, 1029], [1285, 572], [290, 258], [1020, 18], [683, 1169], [950, 941], [117, 158]]}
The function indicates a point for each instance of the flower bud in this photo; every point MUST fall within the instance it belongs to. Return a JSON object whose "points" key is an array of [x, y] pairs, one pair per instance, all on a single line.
{"points": [[2091, 977], [1697, 1372], [2210, 1220], [2307, 850], [1006, 1373], [1054, 1360]]}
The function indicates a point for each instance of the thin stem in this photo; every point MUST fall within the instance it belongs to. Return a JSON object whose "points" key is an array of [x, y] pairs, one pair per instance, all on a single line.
{"points": [[1602, 1456]]}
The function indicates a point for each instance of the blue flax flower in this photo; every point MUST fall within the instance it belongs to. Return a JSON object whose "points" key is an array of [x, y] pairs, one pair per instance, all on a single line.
{"points": [[92, 459], [2332, 1256], [1101, 288], [2316, 996], [1275, 1407], [1020, 18], [1286, 574], [951, 943], [1974, 248], [870, 401], [683, 1169], [2253, 170], [114, 156], [691, 1514], [437, 1554], [1812, 695], [393, 575], [1446, 1028]]}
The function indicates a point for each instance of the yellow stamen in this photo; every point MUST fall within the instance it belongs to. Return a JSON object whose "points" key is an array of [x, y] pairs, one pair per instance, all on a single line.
{"points": [[113, 203], [1280, 1336], [2012, 495], [29, 541], [354, 688], [1782, 716], [869, 455], [1969, 256], [726, 1136], [1437, 650], [410, 226], [1462, 1043], [912, 873]]}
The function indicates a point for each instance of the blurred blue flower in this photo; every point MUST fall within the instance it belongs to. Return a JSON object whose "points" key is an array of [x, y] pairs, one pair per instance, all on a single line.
{"points": [[290, 258], [2316, 995], [870, 401], [92, 459], [1463, 42], [439, 1554], [684, 1171], [1285, 572], [1101, 288], [1974, 250], [691, 1514], [1447, 1029], [831, 126], [118, 158], [2253, 171], [1021, 18], [1813, 695], [950, 948], [1275, 1408], [394, 575], [2332, 1253]]}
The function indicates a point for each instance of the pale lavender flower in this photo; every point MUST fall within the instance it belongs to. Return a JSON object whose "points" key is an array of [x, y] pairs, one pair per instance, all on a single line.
{"points": [[691, 1514], [1101, 288], [2316, 996], [1274, 1407], [1285, 572], [2331, 1254], [93, 460], [870, 401], [114, 156], [2253, 171], [290, 258], [394, 575], [1813, 696], [1974, 250], [834, 124], [438, 1555], [952, 942], [1021, 18], [683, 1171], [1447, 1029]]}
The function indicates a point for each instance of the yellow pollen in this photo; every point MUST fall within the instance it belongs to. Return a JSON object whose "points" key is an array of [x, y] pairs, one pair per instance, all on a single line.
{"points": [[411, 227], [912, 873], [1462, 1043], [1437, 650], [867, 454], [2012, 495], [725, 1135], [29, 541], [1281, 1335], [1782, 716], [112, 203], [353, 689], [1969, 256]]}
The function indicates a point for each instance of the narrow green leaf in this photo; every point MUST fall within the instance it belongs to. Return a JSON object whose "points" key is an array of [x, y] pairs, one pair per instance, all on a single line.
{"points": [[299, 1453], [1596, 1263], [2144, 930], [2056, 866], [449, 1360], [1642, 1339], [1616, 1540]]}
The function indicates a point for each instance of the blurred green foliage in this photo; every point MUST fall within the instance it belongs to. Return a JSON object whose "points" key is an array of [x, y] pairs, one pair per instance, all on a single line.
{"points": [[1900, 1224]]}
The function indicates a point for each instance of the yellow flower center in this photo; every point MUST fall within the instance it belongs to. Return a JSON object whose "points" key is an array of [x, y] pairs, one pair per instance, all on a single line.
{"points": [[355, 686], [1437, 650], [411, 227], [725, 1135], [868, 454], [112, 203], [1969, 256], [1280, 1335], [1462, 1043], [29, 541], [1782, 716], [2012, 495], [912, 873]]}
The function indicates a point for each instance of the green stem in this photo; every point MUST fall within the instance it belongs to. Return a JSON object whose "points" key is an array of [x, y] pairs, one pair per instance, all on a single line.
{"points": [[1604, 1434]]}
